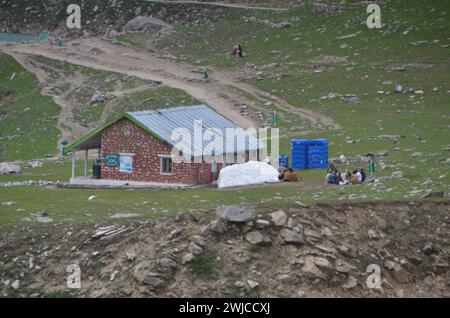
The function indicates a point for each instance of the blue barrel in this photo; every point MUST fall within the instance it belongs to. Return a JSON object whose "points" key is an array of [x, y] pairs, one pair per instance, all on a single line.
{"points": [[283, 161], [317, 154], [299, 154]]}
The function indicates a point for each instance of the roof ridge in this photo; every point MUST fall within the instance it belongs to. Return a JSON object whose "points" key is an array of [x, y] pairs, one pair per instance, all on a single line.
{"points": [[167, 109]]}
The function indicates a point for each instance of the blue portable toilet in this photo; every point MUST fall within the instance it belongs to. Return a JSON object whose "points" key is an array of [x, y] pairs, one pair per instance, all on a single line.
{"points": [[283, 162], [317, 154], [299, 154]]}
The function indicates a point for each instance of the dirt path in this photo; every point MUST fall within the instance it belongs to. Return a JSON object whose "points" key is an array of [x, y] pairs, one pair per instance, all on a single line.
{"points": [[102, 55], [221, 4], [66, 124]]}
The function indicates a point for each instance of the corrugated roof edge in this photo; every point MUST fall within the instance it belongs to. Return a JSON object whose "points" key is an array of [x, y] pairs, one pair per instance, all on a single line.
{"points": [[94, 133], [132, 116]]}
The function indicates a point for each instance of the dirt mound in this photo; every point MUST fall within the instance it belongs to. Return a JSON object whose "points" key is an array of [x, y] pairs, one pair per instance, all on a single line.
{"points": [[295, 252]]}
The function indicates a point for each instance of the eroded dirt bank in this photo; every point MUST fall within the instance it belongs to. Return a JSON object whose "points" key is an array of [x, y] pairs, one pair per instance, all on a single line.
{"points": [[295, 252]]}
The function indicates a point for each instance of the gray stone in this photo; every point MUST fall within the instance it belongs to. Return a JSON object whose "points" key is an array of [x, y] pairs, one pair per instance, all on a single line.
{"points": [[252, 284], [309, 267], [168, 263], [292, 237], [352, 282], [397, 175], [256, 238], [239, 284], [35, 164], [322, 262], [218, 226], [16, 284], [154, 281], [235, 213], [187, 258], [147, 24], [195, 249], [260, 223], [9, 168], [343, 267], [279, 218], [98, 97], [197, 239], [9, 203], [429, 249]]}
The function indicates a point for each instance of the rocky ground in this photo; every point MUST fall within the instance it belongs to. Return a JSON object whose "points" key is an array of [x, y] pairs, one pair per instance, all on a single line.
{"points": [[236, 252]]}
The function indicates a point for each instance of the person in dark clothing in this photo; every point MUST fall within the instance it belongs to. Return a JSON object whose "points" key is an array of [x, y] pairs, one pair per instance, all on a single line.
{"points": [[237, 51]]}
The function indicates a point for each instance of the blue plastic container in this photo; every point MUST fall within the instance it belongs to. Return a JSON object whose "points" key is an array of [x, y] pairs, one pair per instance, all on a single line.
{"points": [[283, 161], [299, 154], [317, 154]]}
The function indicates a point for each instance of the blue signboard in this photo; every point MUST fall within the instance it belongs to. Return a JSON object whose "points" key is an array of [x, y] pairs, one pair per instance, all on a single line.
{"points": [[126, 164], [112, 160]]}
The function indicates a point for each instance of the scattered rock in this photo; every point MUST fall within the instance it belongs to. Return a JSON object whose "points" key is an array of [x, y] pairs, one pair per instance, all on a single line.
{"points": [[279, 218], [99, 97], [9, 168], [147, 24], [343, 267], [437, 194], [187, 258], [252, 284], [235, 213], [256, 238], [9, 203], [16, 284], [195, 248], [352, 282], [291, 236], [131, 256], [429, 249], [35, 164], [309, 267]]}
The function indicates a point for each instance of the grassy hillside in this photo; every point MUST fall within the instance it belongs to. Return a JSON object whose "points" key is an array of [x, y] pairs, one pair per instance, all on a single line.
{"points": [[27, 119]]}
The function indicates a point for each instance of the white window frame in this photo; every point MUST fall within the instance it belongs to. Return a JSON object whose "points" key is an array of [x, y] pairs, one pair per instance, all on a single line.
{"points": [[132, 162], [161, 159]]}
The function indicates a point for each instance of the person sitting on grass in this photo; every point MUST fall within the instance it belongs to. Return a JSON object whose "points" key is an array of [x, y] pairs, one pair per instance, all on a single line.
{"points": [[358, 176], [333, 176]]}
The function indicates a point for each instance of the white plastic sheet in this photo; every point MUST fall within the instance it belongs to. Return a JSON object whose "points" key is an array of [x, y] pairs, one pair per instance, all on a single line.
{"points": [[250, 173]]}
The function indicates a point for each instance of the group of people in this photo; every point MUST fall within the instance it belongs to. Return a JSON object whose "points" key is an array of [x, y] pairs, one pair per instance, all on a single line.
{"points": [[335, 177]]}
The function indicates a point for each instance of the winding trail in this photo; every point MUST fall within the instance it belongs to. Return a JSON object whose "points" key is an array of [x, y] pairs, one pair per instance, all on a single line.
{"points": [[221, 4], [103, 55]]}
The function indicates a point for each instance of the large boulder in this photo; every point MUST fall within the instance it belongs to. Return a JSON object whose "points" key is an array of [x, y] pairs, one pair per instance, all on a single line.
{"points": [[236, 213], [9, 168], [147, 24]]}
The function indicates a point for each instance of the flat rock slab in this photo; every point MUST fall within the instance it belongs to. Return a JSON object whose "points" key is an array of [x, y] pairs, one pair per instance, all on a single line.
{"points": [[236, 213]]}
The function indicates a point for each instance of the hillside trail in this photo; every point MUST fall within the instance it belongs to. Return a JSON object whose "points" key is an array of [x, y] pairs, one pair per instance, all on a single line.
{"points": [[222, 4], [66, 125], [100, 54]]}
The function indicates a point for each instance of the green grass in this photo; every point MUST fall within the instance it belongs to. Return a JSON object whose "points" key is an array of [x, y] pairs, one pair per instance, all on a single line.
{"points": [[28, 124], [423, 121], [204, 265]]}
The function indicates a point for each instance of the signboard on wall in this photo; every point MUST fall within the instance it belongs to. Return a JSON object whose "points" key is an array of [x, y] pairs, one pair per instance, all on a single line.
{"points": [[126, 163], [112, 160]]}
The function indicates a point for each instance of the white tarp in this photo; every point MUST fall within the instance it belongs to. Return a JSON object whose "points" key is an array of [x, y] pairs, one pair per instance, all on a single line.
{"points": [[250, 173]]}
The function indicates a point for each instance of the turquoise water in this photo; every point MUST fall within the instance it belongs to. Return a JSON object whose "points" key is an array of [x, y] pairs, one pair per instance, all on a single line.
{"points": [[16, 37]]}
